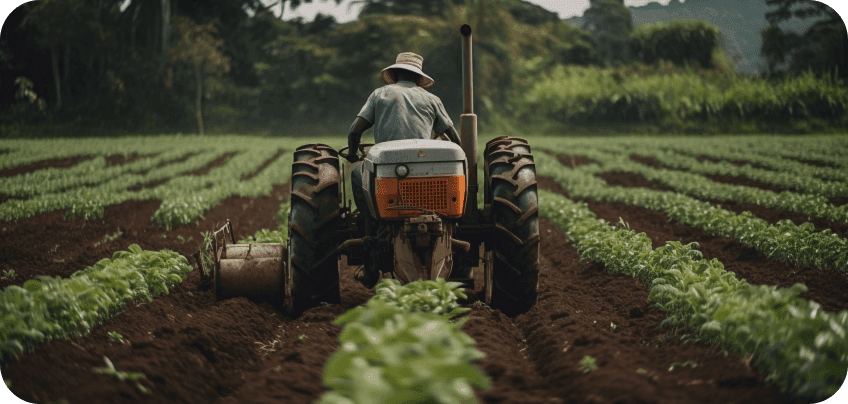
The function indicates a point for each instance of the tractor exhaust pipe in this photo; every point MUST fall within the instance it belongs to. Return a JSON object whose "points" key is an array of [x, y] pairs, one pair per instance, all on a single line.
{"points": [[468, 123]]}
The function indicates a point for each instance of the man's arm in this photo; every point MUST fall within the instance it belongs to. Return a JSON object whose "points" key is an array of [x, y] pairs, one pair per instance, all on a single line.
{"points": [[452, 135], [359, 125]]}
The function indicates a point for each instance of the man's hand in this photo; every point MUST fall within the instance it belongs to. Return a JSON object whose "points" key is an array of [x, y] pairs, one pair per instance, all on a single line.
{"points": [[352, 155]]}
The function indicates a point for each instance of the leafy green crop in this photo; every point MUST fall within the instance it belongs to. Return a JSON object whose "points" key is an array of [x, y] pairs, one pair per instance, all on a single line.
{"points": [[784, 240], [53, 307], [801, 348], [390, 354]]}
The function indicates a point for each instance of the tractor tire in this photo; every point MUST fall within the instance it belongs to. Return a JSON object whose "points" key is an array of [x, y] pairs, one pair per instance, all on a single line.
{"points": [[510, 176], [313, 225]]}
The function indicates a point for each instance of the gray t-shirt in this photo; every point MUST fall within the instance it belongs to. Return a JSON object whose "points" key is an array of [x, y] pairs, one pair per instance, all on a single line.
{"points": [[404, 111]]}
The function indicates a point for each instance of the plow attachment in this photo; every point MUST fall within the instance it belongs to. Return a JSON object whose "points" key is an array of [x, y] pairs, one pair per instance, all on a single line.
{"points": [[257, 271]]}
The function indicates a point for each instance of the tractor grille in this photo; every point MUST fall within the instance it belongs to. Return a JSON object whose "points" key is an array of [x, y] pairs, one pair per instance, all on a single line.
{"points": [[427, 193]]}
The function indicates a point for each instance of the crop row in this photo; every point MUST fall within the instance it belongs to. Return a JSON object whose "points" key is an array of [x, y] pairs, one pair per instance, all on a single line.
{"points": [[749, 154], [184, 197], [702, 187], [785, 240], [827, 150], [89, 201], [801, 348], [90, 172], [401, 347], [52, 307], [785, 179]]}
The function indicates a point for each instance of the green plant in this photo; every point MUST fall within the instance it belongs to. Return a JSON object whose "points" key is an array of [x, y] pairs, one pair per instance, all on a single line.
{"points": [[8, 274], [45, 308], [181, 238], [53, 250], [121, 375], [163, 236], [587, 364], [388, 354], [613, 326], [796, 343], [682, 364], [112, 237], [115, 337], [206, 253], [302, 336]]}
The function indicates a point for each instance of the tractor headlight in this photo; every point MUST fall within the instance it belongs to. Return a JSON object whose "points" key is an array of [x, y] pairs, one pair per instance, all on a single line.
{"points": [[401, 170]]}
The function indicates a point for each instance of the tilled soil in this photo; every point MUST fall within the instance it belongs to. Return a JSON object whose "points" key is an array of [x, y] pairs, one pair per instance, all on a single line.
{"points": [[193, 349]]}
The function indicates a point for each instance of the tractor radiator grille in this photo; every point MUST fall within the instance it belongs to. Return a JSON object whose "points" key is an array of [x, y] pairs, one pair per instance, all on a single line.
{"points": [[427, 193], [443, 195]]}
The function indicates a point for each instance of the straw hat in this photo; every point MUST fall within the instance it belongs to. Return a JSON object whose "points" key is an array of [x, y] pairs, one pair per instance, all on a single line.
{"points": [[408, 61]]}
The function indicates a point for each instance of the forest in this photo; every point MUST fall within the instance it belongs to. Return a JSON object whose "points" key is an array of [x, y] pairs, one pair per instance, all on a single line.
{"points": [[101, 67]]}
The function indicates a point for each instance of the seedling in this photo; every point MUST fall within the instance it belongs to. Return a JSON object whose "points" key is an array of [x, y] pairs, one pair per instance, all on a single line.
{"points": [[53, 250], [613, 326], [587, 364], [181, 238], [641, 371], [59, 261], [8, 274], [190, 294], [682, 364], [115, 337], [112, 237], [302, 336], [164, 236], [121, 375]]}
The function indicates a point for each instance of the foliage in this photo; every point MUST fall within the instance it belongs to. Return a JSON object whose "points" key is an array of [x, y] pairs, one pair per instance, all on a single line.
{"points": [[820, 49], [682, 42], [614, 158], [784, 240], [114, 336], [121, 375], [86, 188], [802, 348], [389, 354], [45, 308], [609, 21], [587, 364], [580, 95], [28, 105], [436, 296]]}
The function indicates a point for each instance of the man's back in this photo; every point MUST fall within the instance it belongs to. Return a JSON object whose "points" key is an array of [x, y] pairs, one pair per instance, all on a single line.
{"points": [[404, 111]]}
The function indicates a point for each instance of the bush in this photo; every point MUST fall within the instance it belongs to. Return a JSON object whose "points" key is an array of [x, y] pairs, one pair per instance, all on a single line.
{"points": [[680, 41]]}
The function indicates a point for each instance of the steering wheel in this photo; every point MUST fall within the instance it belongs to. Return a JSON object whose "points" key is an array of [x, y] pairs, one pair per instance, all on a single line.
{"points": [[359, 155]]}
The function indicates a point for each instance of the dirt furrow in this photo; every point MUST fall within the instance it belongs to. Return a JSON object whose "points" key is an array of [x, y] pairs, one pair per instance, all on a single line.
{"points": [[63, 162]]}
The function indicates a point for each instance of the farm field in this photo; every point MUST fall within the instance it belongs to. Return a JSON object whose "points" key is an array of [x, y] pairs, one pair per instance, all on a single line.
{"points": [[663, 323]]}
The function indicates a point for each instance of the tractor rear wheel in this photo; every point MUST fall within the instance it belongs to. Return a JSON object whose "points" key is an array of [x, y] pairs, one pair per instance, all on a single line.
{"points": [[313, 223], [511, 190]]}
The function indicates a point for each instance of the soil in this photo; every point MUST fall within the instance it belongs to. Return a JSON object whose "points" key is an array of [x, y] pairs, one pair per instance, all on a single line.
{"points": [[194, 349]]}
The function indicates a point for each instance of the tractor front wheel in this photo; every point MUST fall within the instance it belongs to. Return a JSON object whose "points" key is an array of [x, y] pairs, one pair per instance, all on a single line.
{"points": [[313, 271]]}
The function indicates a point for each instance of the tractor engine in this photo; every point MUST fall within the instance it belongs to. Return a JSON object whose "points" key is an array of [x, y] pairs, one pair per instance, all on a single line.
{"points": [[418, 189], [406, 178]]}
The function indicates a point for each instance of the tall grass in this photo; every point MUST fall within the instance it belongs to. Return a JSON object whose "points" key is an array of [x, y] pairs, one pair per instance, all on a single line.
{"points": [[679, 98]]}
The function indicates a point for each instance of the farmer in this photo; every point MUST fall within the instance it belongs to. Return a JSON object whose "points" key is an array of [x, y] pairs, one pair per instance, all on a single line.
{"points": [[402, 109]]}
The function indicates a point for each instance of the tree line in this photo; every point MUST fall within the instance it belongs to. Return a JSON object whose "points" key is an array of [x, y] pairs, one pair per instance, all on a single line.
{"points": [[152, 66]]}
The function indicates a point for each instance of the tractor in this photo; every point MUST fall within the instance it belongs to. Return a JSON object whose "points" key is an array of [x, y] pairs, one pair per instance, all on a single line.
{"points": [[422, 220]]}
